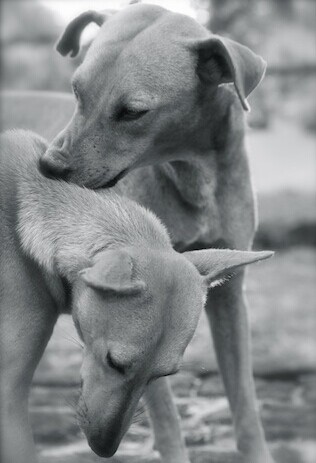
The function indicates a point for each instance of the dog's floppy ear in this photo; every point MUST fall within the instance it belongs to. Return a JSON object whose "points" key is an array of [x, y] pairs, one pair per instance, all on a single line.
{"points": [[113, 271], [216, 265], [221, 60], [70, 39]]}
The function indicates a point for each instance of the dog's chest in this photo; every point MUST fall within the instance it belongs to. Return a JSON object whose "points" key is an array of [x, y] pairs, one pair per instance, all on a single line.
{"points": [[191, 228], [188, 209]]}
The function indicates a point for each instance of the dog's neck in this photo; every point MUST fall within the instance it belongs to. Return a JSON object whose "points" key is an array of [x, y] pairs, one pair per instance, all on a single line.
{"points": [[62, 226], [194, 181], [196, 176]]}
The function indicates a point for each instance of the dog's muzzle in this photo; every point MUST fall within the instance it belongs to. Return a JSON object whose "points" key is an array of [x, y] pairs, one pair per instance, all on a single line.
{"points": [[114, 180], [53, 164]]}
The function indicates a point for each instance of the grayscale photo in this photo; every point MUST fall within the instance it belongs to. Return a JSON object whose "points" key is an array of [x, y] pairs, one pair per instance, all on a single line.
{"points": [[158, 231]]}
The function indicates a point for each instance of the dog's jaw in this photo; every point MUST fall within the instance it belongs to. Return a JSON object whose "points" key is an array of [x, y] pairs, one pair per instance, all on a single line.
{"points": [[114, 181]]}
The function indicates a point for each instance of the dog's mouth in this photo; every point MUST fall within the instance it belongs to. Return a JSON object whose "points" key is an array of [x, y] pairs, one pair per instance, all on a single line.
{"points": [[113, 182]]}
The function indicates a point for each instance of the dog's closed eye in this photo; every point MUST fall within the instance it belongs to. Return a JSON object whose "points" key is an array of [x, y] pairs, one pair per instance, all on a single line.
{"points": [[77, 92], [126, 113], [115, 365], [170, 373]]}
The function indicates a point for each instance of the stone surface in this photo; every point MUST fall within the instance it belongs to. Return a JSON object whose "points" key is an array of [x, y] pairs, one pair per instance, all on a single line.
{"points": [[287, 407]]}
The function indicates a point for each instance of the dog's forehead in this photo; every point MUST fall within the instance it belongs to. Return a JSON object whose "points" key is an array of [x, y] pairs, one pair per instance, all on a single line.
{"points": [[186, 287], [137, 18], [146, 35]]}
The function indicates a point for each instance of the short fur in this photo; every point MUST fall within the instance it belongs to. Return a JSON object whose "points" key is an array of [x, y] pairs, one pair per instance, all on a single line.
{"points": [[190, 145], [108, 262]]}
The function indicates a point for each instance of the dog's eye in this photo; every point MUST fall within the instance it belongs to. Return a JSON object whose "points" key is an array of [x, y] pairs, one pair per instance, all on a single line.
{"points": [[130, 114], [171, 373], [75, 90], [76, 93], [114, 365]]}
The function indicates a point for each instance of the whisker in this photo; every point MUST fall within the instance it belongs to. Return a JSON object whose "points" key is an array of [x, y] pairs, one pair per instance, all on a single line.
{"points": [[71, 323], [85, 330], [140, 412], [72, 339], [72, 404]]}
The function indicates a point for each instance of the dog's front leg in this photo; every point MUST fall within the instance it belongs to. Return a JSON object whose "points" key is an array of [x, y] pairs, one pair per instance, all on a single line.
{"points": [[27, 320], [227, 313], [166, 422]]}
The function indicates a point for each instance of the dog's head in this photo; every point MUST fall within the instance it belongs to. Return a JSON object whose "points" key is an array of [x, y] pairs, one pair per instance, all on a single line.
{"points": [[136, 311], [148, 91]]}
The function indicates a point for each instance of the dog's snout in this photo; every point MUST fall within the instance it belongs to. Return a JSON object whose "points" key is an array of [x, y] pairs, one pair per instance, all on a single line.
{"points": [[116, 179], [53, 164], [104, 442]]}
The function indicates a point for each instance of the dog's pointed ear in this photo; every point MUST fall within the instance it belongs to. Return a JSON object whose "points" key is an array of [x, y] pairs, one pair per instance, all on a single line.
{"points": [[113, 271], [216, 265], [70, 39], [221, 60]]}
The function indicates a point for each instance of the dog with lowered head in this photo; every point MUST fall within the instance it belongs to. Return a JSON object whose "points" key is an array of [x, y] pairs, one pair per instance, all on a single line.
{"points": [[109, 262]]}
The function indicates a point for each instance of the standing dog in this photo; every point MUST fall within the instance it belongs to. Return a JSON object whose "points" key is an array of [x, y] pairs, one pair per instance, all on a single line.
{"points": [[152, 91], [134, 300]]}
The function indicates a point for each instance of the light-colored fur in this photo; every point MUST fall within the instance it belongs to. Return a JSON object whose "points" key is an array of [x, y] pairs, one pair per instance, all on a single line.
{"points": [[185, 159], [55, 223], [110, 263]]}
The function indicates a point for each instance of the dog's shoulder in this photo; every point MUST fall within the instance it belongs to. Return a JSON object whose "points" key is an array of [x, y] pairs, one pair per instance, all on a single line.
{"points": [[20, 142], [18, 150]]}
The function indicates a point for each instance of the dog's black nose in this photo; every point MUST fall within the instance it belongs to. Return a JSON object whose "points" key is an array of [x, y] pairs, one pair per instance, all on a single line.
{"points": [[53, 168]]}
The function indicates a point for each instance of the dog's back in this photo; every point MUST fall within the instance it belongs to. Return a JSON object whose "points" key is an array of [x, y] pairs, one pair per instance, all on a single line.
{"points": [[48, 214], [17, 150]]}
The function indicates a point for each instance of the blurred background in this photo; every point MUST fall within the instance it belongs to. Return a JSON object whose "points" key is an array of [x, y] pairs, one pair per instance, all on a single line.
{"points": [[282, 292]]}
